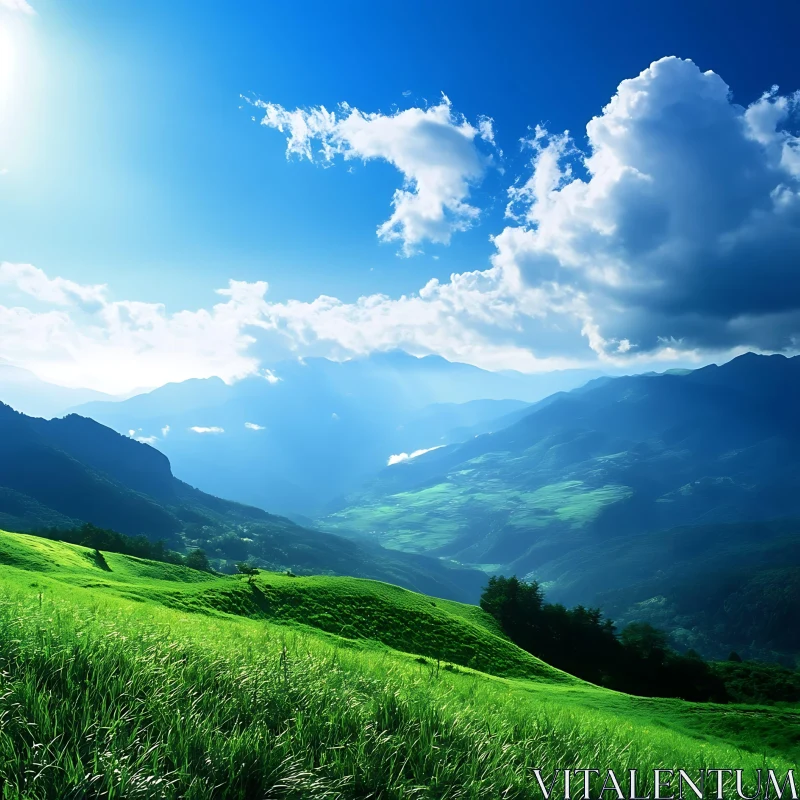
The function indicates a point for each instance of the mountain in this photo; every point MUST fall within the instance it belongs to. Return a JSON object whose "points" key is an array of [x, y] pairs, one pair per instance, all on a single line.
{"points": [[25, 391], [315, 430], [63, 472], [714, 588], [625, 456]]}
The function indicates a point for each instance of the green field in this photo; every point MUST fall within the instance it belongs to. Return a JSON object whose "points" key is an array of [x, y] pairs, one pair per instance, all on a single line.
{"points": [[436, 516], [127, 678]]}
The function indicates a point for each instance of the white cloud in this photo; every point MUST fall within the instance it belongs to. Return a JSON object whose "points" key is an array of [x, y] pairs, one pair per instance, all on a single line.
{"points": [[400, 457], [34, 282], [435, 149], [201, 429], [676, 237], [271, 377], [252, 426], [165, 431], [87, 339], [151, 440], [682, 231], [477, 317], [17, 5]]}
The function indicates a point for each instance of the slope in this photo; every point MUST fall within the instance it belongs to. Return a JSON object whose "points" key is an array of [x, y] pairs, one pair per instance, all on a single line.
{"points": [[179, 697], [619, 457]]}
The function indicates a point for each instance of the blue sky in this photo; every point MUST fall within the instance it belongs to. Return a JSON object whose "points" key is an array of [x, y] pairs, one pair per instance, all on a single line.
{"points": [[130, 159]]}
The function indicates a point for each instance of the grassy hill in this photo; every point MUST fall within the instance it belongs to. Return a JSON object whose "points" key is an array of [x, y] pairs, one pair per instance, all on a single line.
{"points": [[140, 679]]}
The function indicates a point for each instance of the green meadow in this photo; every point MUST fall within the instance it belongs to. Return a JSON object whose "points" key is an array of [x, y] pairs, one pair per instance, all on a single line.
{"points": [[432, 517], [125, 678]]}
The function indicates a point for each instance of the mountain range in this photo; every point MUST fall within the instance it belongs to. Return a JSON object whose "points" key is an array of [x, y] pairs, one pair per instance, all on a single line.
{"points": [[301, 435], [624, 492], [63, 472], [26, 392], [588, 478]]}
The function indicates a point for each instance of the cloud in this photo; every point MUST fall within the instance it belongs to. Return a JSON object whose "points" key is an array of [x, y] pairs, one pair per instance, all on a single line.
{"points": [[271, 377], [34, 282], [252, 426], [400, 457], [675, 236], [476, 317], [151, 440], [436, 151], [679, 230], [81, 337], [20, 6], [165, 431], [212, 429]]}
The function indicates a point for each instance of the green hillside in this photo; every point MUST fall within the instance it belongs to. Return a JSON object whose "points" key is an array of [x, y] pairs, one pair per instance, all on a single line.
{"points": [[128, 678], [350, 608], [631, 456]]}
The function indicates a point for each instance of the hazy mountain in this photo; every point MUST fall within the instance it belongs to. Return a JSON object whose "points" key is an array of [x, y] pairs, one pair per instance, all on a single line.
{"points": [[62, 472], [317, 429], [714, 588], [631, 455], [25, 391]]}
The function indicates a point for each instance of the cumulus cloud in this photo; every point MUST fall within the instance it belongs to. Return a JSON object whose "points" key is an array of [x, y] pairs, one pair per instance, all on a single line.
{"points": [[676, 235], [679, 229], [32, 281], [201, 429], [253, 426], [80, 337], [435, 149], [400, 457], [20, 6], [165, 431]]}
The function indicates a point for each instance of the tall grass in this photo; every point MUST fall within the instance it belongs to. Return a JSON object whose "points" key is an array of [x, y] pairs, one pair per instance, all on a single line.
{"points": [[126, 700]]}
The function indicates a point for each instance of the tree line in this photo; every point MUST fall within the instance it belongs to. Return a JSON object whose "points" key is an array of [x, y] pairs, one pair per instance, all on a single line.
{"points": [[88, 535], [582, 642]]}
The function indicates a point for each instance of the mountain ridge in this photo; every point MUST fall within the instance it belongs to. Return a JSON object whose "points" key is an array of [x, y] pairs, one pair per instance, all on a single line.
{"points": [[62, 472]]}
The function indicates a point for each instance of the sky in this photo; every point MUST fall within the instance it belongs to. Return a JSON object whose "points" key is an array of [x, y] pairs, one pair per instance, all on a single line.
{"points": [[191, 189]]}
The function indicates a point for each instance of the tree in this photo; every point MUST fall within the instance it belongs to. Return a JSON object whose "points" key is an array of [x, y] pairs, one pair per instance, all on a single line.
{"points": [[645, 640], [734, 656], [516, 605], [244, 568], [197, 559]]}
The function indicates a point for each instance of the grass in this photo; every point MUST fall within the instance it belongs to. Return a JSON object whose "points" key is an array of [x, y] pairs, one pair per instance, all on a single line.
{"points": [[432, 517], [153, 681]]}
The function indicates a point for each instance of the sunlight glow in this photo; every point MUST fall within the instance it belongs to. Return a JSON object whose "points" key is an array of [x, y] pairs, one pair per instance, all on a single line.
{"points": [[8, 59]]}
